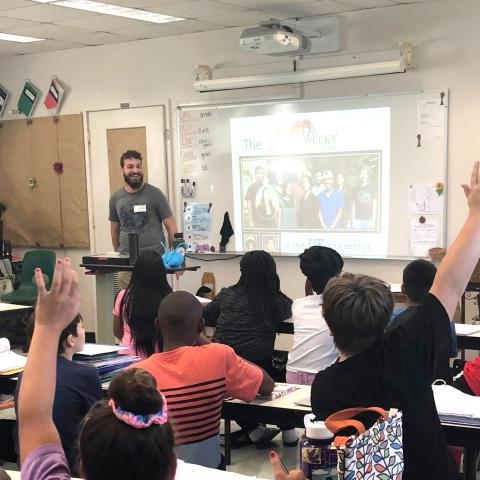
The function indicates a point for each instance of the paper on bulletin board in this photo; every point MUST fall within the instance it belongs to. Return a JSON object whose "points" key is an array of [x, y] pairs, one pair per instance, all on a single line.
{"points": [[197, 225], [431, 118], [423, 236], [424, 199]]}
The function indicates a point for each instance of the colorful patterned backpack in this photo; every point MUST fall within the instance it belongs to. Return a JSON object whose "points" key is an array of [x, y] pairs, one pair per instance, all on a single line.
{"points": [[376, 453]]}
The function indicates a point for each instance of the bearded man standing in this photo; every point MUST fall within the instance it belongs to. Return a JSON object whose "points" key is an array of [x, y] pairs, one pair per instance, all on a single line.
{"points": [[138, 207]]}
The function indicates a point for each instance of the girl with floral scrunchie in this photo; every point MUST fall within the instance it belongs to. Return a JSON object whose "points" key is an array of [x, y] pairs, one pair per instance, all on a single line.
{"points": [[128, 438]]}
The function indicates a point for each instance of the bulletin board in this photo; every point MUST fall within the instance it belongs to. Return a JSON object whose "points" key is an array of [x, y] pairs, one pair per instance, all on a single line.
{"points": [[391, 151], [43, 183]]}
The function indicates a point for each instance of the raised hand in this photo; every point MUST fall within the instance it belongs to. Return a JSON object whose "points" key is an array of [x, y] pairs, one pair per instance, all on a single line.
{"points": [[472, 191], [56, 308]]}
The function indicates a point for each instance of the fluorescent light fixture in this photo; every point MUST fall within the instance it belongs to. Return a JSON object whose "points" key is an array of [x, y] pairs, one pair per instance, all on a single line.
{"points": [[382, 67], [8, 37], [115, 10]]}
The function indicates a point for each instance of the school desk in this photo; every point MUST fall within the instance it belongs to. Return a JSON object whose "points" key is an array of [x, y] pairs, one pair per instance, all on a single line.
{"points": [[187, 471], [468, 336], [12, 310], [285, 410], [12, 319]]}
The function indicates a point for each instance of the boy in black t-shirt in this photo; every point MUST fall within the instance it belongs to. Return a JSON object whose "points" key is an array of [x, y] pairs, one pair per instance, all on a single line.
{"points": [[398, 371], [418, 277], [78, 388]]}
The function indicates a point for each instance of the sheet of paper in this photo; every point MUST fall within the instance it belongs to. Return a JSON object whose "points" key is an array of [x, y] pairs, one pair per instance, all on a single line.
{"points": [[10, 360], [188, 471], [466, 329], [203, 301], [424, 199], [431, 118], [197, 225], [423, 236], [453, 402], [90, 349]]}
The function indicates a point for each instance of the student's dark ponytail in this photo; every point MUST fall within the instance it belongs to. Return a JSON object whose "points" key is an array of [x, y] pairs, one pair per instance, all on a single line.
{"points": [[112, 443]]}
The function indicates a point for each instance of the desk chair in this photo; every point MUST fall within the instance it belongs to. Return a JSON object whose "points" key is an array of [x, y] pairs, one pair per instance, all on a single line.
{"points": [[26, 293]]}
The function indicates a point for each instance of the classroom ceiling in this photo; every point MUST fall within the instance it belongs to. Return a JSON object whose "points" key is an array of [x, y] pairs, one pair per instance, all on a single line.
{"points": [[65, 28]]}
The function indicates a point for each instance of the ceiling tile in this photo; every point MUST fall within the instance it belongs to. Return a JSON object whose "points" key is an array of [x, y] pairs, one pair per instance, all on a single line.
{"points": [[154, 31], [260, 4], [105, 23], [36, 47], [239, 19], [197, 8], [45, 13], [143, 3], [191, 26], [8, 4], [11, 23], [46, 30], [368, 3], [311, 9], [98, 38], [76, 28], [8, 47]]}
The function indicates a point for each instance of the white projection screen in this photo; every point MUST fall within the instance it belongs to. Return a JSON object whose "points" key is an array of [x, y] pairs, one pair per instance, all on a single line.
{"points": [[350, 173]]}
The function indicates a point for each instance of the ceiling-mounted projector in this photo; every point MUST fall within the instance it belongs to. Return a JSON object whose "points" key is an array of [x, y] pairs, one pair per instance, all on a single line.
{"points": [[275, 40]]}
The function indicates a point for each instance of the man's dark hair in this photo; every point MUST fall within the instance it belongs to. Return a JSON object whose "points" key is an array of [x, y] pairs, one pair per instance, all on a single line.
{"points": [[418, 278], [357, 311], [70, 329], [319, 264], [129, 154]]}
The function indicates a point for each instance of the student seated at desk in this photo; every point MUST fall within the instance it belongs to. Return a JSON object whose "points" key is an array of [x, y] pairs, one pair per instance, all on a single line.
{"points": [[397, 372], [417, 280], [245, 316], [77, 389], [313, 348], [468, 380], [196, 379], [136, 307], [128, 438]]}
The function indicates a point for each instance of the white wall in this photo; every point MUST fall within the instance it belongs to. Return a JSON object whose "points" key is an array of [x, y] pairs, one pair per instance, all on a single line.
{"points": [[445, 34]]}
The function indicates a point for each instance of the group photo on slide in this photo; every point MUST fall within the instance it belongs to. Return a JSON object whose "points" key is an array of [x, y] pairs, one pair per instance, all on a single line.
{"points": [[310, 192]]}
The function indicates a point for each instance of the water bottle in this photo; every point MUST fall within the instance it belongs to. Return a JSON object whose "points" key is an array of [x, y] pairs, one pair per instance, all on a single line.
{"points": [[317, 460]]}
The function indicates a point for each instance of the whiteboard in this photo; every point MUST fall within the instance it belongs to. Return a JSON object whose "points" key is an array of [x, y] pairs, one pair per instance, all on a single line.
{"points": [[403, 162]]}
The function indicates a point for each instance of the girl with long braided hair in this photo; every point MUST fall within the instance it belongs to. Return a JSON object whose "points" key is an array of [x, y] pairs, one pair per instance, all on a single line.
{"points": [[245, 316]]}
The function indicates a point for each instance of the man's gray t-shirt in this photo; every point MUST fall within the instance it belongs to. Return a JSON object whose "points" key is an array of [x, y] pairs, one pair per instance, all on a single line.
{"points": [[140, 212]]}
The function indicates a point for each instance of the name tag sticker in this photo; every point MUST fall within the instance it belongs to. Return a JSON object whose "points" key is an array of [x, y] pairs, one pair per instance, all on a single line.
{"points": [[139, 208]]}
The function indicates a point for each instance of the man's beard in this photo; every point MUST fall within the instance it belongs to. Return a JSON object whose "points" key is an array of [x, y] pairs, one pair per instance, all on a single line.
{"points": [[134, 183]]}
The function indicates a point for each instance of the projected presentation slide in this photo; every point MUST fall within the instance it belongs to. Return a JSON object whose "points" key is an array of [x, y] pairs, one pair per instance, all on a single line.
{"points": [[312, 179]]}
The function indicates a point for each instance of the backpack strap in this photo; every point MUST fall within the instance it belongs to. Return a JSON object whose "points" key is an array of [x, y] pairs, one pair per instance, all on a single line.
{"points": [[344, 419]]}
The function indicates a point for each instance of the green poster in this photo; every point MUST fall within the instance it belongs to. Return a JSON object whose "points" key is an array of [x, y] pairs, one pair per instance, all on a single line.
{"points": [[28, 98]]}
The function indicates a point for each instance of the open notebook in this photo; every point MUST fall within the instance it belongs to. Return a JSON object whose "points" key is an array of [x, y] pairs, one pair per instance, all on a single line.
{"points": [[466, 328], [455, 406]]}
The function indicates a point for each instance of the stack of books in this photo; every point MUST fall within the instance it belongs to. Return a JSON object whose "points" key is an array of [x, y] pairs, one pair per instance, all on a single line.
{"points": [[455, 406], [106, 359]]}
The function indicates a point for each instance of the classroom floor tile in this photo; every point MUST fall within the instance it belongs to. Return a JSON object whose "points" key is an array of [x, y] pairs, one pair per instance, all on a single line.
{"points": [[253, 462]]}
